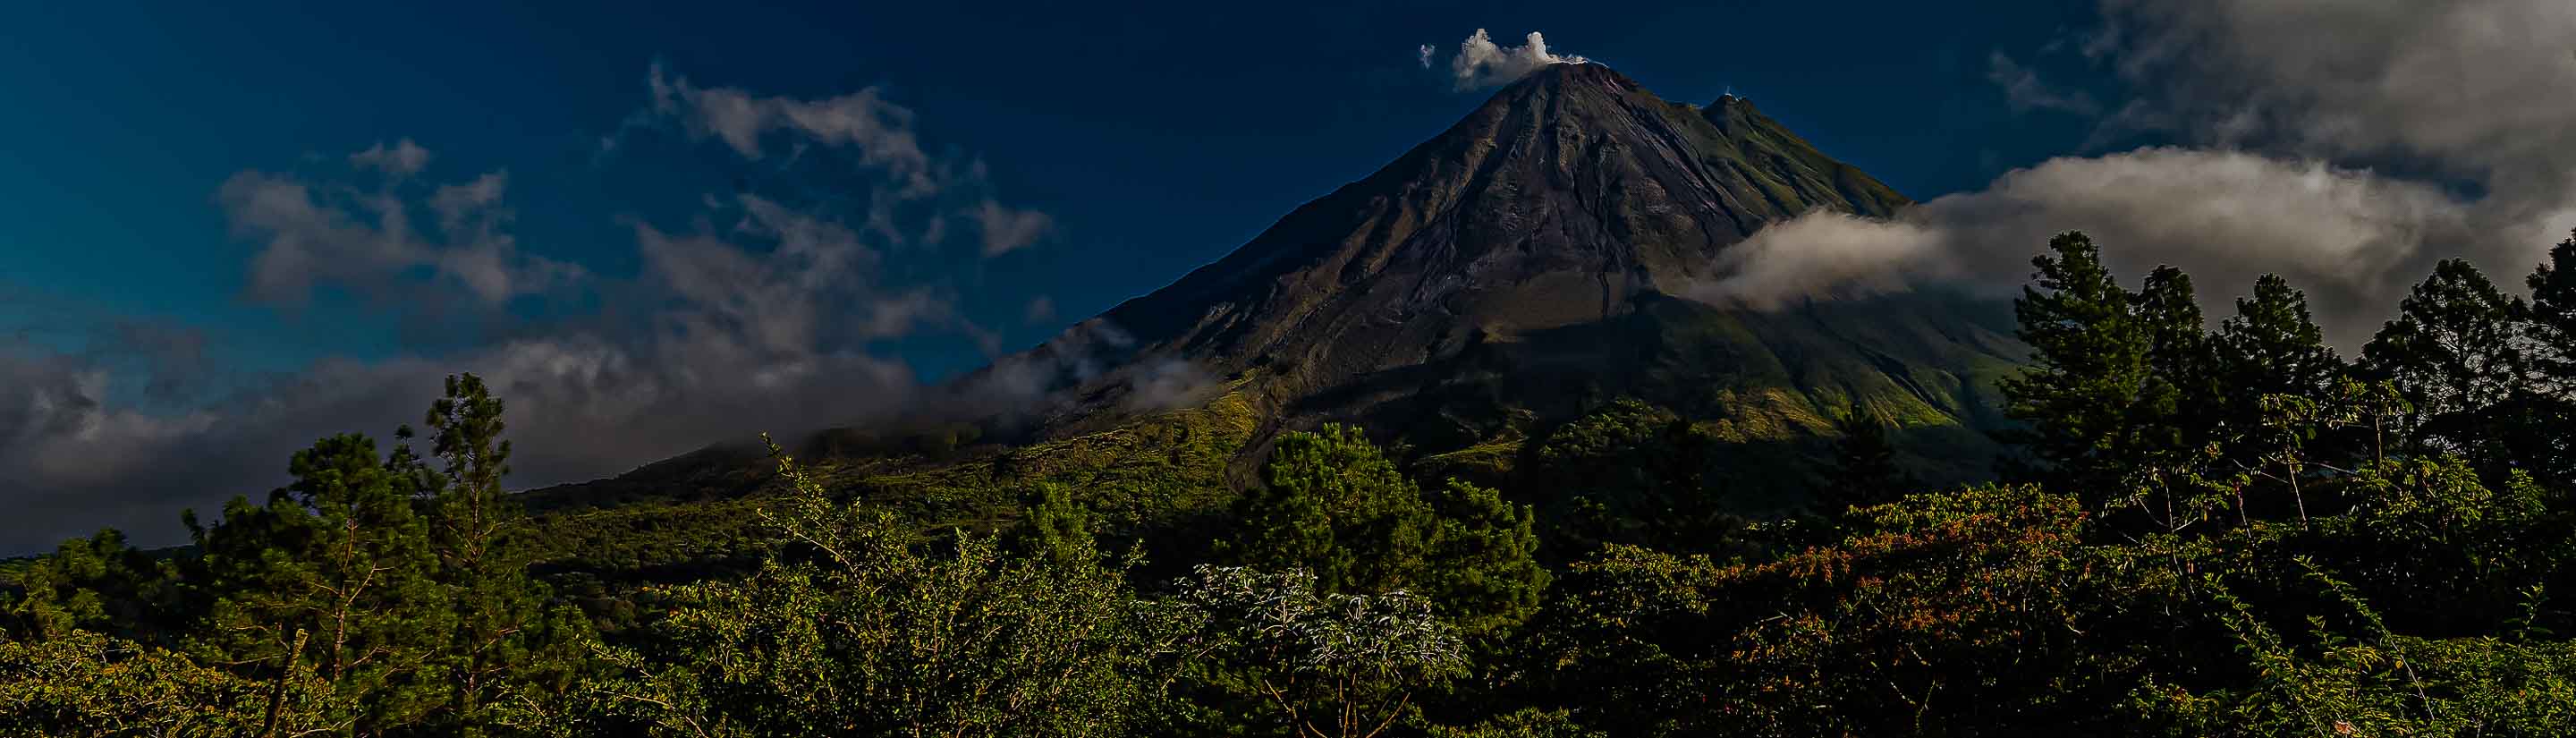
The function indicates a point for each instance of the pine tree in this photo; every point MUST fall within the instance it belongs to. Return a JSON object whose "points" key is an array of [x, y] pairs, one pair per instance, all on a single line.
{"points": [[1864, 470], [338, 564], [2453, 350], [2553, 319], [2089, 368], [1056, 529], [506, 638], [1336, 506], [1485, 573], [2182, 361], [2273, 347], [2540, 424]]}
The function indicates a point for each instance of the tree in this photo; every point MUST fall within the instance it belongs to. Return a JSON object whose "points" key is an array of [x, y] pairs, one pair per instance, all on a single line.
{"points": [[1056, 529], [1337, 508], [2088, 366], [1334, 505], [334, 574], [1484, 574], [1966, 612], [97, 584], [2102, 397], [2272, 347], [2553, 318], [2454, 351], [506, 637], [2541, 425], [2276, 379], [1638, 474], [1864, 470], [2182, 358]]}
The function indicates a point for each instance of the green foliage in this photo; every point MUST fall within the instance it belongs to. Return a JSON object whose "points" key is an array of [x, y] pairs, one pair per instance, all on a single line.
{"points": [[2553, 312], [1332, 665], [856, 628], [1057, 530], [2451, 345], [1953, 610], [2272, 347], [1337, 508], [339, 554], [1864, 470], [2089, 374], [82, 683], [1637, 474], [96, 583], [509, 645]]}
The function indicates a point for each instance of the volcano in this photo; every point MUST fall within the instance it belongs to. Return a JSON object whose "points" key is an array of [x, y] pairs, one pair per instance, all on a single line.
{"points": [[1526, 266]]}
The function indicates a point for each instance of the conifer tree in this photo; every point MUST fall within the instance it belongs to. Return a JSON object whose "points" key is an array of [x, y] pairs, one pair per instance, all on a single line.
{"points": [[2543, 426], [2453, 350], [2273, 347], [2089, 368], [2553, 319], [506, 638], [1056, 529], [1335, 506], [2182, 362], [338, 564], [1864, 470]]}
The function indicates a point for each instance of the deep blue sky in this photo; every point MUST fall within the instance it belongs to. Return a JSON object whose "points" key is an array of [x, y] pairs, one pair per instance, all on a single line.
{"points": [[1158, 136]]}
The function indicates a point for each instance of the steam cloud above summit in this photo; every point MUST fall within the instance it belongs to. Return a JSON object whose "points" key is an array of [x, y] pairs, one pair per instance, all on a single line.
{"points": [[1481, 63], [2298, 110]]}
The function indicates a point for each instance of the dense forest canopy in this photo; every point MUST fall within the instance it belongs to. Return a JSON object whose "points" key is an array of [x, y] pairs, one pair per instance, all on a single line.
{"points": [[2199, 531]]}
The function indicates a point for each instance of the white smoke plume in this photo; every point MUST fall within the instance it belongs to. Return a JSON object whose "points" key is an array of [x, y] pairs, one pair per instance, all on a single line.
{"points": [[1481, 63]]}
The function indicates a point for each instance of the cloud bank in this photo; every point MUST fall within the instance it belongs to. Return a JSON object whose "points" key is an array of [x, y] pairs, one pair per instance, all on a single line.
{"points": [[2297, 114]]}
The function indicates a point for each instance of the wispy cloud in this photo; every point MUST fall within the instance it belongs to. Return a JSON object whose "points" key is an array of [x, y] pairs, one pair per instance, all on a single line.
{"points": [[1006, 229], [879, 135], [321, 232], [2024, 90], [403, 159]]}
